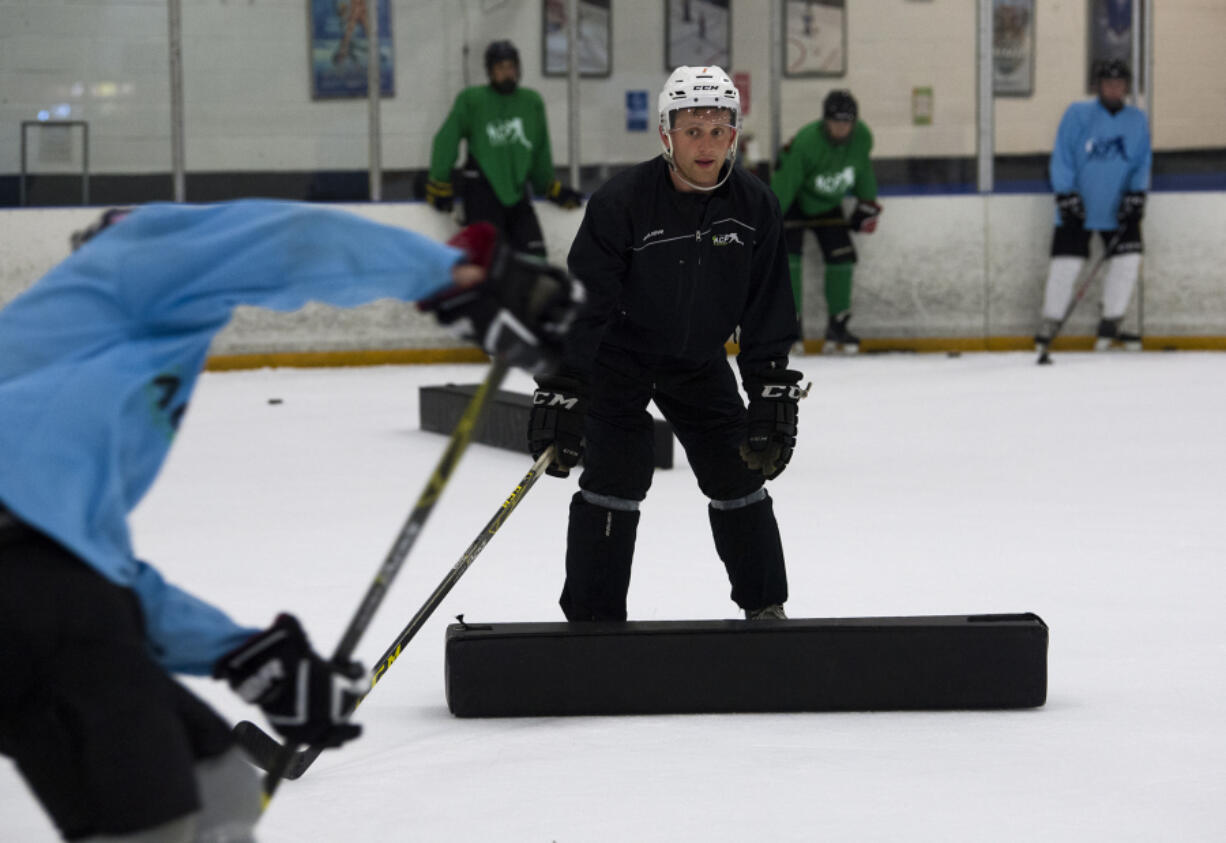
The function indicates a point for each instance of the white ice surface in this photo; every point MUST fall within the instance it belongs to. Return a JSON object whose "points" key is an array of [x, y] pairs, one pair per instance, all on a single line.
{"points": [[1089, 492]]}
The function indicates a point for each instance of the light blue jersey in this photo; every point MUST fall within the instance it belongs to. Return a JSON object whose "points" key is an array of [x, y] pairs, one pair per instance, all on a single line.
{"points": [[99, 358], [1101, 156]]}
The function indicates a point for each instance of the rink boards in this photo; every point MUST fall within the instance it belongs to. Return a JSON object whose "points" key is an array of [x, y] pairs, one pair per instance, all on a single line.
{"points": [[695, 667]]}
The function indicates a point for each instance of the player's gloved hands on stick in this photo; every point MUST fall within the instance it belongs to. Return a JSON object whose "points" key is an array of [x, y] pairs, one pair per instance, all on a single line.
{"points": [[559, 405], [562, 196], [520, 311], [305, 698], [864, 217], [773, 396], [1072, 209], [1132, 207], [440, 195]]}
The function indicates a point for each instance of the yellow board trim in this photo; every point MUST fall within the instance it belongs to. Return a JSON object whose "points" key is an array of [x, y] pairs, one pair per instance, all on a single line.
{"points": [[921, 345]]}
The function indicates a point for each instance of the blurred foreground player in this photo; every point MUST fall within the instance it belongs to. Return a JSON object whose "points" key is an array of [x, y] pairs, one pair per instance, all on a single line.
{"points": [[678, 254], [98, 360], [1100, 169]]}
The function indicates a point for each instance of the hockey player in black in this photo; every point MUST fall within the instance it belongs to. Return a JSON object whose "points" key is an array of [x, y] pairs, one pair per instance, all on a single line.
{"points": [[678, 254]]}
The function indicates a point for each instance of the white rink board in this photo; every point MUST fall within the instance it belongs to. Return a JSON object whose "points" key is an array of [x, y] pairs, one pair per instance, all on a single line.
{"points": [[939, 267]]}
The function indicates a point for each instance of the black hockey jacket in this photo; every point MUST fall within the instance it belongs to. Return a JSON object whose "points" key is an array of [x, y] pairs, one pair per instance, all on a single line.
{"points": [[677, 274]]}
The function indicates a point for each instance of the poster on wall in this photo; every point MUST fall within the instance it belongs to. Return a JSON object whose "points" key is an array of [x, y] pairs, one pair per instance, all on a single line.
{"points": [[1013, 48], [815, 38], [697, 33], [340, 48], [595, 51], [1110, 36]]}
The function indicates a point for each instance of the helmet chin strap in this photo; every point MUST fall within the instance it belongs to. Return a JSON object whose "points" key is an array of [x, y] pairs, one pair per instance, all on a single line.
{"points": [[672, 165]]}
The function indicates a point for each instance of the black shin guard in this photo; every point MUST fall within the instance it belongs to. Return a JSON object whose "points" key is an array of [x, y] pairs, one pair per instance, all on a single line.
{"points": [[599, 550], [747, 540]]}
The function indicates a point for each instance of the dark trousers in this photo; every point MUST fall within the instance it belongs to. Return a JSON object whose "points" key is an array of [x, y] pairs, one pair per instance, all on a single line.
{"points": [[105, 738], [702, 403], [1074, 240], [518, 222]]}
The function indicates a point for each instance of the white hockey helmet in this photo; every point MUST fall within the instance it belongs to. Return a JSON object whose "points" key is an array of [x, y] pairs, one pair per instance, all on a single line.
{"points": [[698, 87]]}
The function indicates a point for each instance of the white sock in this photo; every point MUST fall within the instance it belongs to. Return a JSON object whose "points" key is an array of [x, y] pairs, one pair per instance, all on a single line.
{"points": [[1060, 277], [1122, 273]]}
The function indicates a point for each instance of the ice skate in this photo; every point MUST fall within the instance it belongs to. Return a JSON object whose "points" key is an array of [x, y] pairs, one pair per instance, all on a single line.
{"points": [[840, 340], [773, 612], [1111, 338], [1042, 339]]}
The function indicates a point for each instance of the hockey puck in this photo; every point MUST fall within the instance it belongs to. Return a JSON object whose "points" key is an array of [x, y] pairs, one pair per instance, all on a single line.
{"points": [[274, 400], [953, 354]]}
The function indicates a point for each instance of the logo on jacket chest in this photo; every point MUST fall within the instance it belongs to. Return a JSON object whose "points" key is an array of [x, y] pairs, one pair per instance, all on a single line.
{"points": [[838, 182], [505, 132], [727, 239], [1106, 149]]}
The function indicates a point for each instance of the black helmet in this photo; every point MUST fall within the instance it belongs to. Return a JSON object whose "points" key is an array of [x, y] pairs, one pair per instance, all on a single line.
{"points": [[500, 51], [1112, 69], [840, 105]]}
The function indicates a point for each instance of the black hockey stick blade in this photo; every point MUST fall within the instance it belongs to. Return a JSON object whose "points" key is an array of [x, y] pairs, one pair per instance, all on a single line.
{"points": [[263, 749]]}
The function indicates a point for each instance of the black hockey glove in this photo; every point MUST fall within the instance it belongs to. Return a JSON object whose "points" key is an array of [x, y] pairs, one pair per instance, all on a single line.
{"points": [[559, 406], [864, 217], [1072, 209], [305, 698], [521, 311], [1132, 207], [440, 195], [773, 396], [563, 197]]}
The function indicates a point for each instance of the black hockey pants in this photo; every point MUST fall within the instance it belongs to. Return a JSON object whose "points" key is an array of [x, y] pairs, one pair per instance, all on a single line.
{"points": [[518, 222], [702, 403]]}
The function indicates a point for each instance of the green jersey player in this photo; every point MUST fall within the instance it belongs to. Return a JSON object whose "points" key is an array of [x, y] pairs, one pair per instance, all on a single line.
{"points": [[508, 152], [826, 160]]}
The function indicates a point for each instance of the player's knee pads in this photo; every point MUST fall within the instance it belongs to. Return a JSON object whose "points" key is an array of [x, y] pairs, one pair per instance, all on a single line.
{"points": [[603, 527], [747, 541], [599, 552], [744, 528]]}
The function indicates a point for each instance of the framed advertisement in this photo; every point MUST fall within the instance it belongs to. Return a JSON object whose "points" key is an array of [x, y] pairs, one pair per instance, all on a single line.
{"points": [[697, 33], [1013, 48], [595, 38], [814, 38], [339, 48], [1110, 36]]}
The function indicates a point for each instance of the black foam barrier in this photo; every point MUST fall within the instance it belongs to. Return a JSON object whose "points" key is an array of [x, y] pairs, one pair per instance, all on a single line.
{"points": [[506, 423], [693, 667]]}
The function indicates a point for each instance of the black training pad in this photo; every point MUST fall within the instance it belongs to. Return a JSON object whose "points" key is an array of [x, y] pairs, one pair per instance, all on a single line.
{"points": [[691, 667], [506, 421]]}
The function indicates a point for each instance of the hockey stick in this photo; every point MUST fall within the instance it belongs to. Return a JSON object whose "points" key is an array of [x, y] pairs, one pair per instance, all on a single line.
{"points": [[474, 413], [816, 222], [263, 749], [1044, 357]]}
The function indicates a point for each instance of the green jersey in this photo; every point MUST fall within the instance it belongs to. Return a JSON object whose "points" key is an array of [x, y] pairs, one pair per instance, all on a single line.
{"points": [[507, 136], [816, 174]]}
